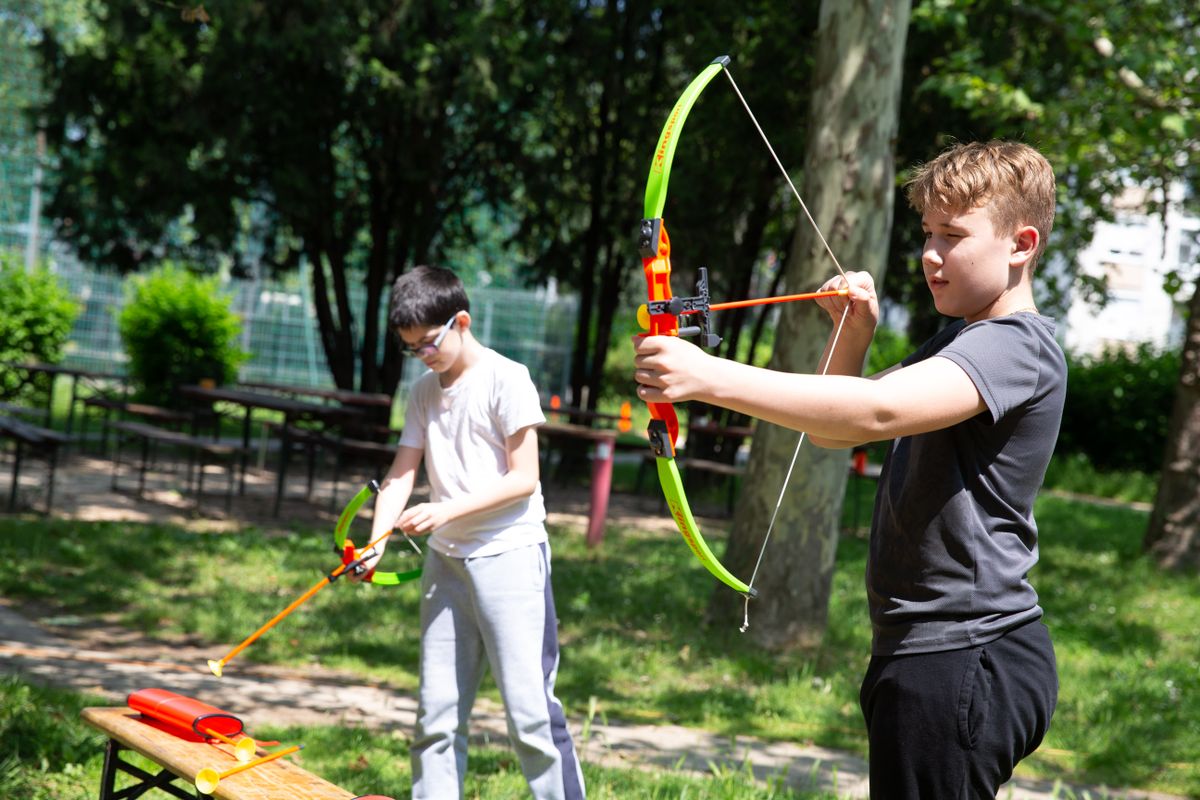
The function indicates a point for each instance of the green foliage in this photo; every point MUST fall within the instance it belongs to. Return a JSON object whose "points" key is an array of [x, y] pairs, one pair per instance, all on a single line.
{"points": [[1074, 474], [177, 329], [1118, 407], [43, 746], [889, 347], [618, 382], [36, 314]]}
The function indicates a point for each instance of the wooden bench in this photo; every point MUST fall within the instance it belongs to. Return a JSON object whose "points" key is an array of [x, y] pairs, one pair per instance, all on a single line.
{"points": [[379, 454], [124, 410], [152, 436], [180, 760], [39, 439], [22, 412]]}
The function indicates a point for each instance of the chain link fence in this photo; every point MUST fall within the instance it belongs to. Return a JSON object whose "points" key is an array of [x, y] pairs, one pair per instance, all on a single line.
{"points": [[280, 331]]}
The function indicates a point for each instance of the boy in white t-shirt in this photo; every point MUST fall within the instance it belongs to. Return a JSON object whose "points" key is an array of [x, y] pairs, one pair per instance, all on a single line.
{"points": [[486, 598]]}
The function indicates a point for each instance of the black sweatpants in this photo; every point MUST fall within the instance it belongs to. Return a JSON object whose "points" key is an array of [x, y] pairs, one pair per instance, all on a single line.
{"points": [[950, 725]]}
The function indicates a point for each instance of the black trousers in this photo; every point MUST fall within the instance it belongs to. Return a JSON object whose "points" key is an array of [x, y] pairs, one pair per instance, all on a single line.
{"points": [[951, 725]]}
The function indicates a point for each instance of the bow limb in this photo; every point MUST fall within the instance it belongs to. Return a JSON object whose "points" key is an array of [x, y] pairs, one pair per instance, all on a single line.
{"points": [[672, 484], [346, 549], [654, 245]]}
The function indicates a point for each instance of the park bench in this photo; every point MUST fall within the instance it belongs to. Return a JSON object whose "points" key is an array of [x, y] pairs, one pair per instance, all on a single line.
{"points": [[204, 450], [38, 439], [22, 412], [124, 410], [378, 451], [180, 760]]}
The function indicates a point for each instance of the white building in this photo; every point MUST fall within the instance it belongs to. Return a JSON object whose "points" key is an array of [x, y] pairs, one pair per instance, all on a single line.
{"points": [[1136, 253]]}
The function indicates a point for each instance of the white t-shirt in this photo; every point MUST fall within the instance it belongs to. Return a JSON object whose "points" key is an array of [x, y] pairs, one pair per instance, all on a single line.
{"points": [[462, 430]]}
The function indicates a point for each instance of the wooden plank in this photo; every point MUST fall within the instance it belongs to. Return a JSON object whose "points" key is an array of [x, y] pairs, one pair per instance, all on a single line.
{"points": [[276, 780]]}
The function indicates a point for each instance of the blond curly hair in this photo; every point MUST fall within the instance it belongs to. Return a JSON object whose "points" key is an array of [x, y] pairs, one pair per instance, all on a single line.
{"points": [[1013, 180]]}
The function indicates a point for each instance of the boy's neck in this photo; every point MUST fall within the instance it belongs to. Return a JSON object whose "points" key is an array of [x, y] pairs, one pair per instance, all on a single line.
{"points": [[1013, 302], [470, 354]]}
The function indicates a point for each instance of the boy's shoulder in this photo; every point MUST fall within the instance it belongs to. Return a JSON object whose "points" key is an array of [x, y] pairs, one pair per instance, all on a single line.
{"points": [[1018, 351]]}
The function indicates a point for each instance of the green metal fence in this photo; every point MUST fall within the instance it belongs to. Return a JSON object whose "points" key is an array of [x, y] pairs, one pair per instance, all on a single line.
{"points": [[280, 332]]}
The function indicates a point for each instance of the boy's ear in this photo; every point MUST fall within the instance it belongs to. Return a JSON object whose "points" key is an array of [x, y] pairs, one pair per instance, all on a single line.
{"points": [[464, 320], [1025, 246]]}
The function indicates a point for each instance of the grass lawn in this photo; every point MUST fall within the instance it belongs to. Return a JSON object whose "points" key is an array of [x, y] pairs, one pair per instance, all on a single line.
{"points": [[633, 644]]}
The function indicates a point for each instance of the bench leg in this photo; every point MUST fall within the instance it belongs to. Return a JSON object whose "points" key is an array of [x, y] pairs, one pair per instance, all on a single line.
{"points": [[163, 781], [231, 474], [285, 454], [108, 778], [337, 474], [142, 466], [201, 462], [53, 466], [116, 459], [16, 478]]}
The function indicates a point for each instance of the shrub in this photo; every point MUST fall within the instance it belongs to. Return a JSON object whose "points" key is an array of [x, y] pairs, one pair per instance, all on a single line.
{"points": [[1118, 407], [36, 315], [177, 329], [889, 347]]}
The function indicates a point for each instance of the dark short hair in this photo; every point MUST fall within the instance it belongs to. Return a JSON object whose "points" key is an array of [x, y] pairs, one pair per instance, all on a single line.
{"points": [[426, 296]]}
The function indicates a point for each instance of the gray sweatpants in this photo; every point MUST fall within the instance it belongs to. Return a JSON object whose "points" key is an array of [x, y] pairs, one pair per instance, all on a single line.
{"points": [[498, 611]]}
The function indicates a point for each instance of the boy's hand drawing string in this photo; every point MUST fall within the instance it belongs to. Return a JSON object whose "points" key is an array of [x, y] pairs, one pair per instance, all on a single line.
{"points": [[660, 317]]}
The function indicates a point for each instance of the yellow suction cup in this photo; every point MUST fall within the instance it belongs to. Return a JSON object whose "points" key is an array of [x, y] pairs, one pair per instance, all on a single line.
{"points": [[207, 780], [245, 749], [643, 317], [216, 667]]}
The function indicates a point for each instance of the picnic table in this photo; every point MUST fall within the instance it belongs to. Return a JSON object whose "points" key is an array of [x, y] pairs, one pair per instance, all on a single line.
{"points": [[92, 377], [343, 396], [180, 760], [293, 411]]}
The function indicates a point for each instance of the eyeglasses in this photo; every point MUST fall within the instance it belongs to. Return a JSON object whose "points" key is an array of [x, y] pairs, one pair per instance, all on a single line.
{"points": [[430, 348]]}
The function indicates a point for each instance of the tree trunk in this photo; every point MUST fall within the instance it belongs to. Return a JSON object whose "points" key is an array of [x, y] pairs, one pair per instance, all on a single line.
{"points": [[848, 182], [1173, 537]]}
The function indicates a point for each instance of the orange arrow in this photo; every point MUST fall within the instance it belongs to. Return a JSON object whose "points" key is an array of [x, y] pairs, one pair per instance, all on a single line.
{"points": [[218, 667]]}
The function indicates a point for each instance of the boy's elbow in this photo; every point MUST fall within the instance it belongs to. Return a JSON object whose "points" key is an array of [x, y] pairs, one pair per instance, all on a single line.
{"points": [[525, 483], [830, 444]]}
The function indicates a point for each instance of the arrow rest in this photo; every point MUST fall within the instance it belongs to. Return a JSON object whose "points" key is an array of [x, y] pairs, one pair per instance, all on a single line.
{"points": [[696, 306]]}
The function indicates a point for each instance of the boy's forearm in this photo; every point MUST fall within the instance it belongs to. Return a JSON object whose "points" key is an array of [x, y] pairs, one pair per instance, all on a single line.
{"points": [[849, 353], [835, 410], [394, 492]]}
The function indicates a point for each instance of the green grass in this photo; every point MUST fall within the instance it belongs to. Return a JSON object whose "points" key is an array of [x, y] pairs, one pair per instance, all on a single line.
{"points": [[48, 753], [633, 637], [1073, 473]]}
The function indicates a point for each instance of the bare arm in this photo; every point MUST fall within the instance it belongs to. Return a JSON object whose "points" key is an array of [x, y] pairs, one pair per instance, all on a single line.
{"points": [[930, 395], [519, 481]]}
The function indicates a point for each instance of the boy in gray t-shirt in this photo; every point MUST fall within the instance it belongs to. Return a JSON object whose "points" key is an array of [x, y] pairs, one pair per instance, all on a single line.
{"points": [[962, 681], [486, 598]]}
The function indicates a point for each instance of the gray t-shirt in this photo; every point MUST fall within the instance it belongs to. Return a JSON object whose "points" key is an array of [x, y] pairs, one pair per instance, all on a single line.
{"points": [[953, 536]]}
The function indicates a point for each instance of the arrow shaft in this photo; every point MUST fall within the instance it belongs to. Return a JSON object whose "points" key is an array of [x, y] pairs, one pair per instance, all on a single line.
{"points": [[763, 301], [299, 601]]}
